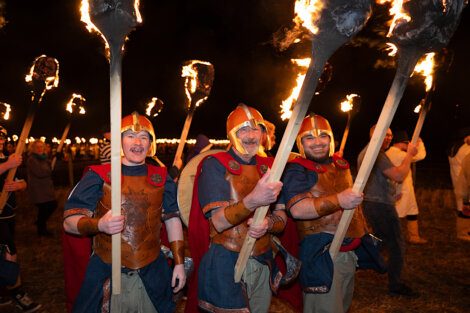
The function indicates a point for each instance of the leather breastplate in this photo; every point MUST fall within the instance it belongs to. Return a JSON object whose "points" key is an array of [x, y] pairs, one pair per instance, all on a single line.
{"points": [[333, 181], [233, 238], [142, 208]]}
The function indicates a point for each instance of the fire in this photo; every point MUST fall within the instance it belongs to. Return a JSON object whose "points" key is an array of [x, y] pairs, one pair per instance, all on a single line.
{"points": [[85, 18], [417, 108], [425, 67], [397, 12], [347, 105], [154, 107], [287, 104], [5, 110], [306, 13], [76, 100], [51, 81], [190, 85], [392, 49]]}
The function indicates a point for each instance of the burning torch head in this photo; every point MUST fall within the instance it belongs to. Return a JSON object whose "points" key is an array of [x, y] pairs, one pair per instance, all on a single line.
{"points": [[315, 125], [199, 76], [243, 116], [138, 123]]}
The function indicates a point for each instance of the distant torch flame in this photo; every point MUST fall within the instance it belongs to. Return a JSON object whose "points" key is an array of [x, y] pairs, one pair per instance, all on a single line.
{"points": [[154, 107], [306, 13], [392, 49], [347, 105], [286, 107], [191, 74], [397, 12], [417, 108], [85, 18], [425, 67], [75, 101], [5, 110], [50, 81]]}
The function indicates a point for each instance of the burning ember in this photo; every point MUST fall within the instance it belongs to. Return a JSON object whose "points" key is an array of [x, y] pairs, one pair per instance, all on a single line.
{"points": [[286, 107], [76, 101], [154, 107], [199, 76], [5, 110]]}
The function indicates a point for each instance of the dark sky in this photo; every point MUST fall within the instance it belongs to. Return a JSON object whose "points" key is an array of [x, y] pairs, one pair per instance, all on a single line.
{"points": [[233, 35]]}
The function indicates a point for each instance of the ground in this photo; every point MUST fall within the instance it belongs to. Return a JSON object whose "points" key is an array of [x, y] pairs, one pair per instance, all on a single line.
{"points": [[438, 270]]}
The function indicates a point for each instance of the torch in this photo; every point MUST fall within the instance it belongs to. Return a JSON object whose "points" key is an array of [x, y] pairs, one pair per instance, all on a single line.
{"points": [[199, 76], [154, 107], [348, 107], [428, 26], [337, 21], [5, 110], [114, 20], [77, 101], [43, 76]]}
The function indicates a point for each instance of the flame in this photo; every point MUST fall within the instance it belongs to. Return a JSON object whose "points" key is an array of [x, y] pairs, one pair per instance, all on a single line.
{"points": [[150, 106], [6, 111], [396, 10], [71, 104], [42, 138], [190, 84], [306, 13], [417, 108], [78, 139], [51, 81], [347, 105], [14, 137], [286, 107], [68, 141], [93, 141], [392, 49], [425, 67], [55, 140]]}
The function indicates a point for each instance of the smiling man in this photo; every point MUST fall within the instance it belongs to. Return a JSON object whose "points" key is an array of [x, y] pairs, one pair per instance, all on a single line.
{"points": [[317, 187], [148, 198], [231, 185]]}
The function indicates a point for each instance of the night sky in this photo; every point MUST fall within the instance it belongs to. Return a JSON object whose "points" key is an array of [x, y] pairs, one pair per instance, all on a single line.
{"points": [[235, 36]]}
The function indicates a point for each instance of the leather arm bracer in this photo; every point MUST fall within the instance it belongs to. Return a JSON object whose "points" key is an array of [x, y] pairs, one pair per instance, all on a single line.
{"points": [[236, 213], [177, 248], [88, 226], [276, 223], [322, 205]]}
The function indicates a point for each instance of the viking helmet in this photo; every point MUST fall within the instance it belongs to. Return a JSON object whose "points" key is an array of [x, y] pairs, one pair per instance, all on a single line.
{"points": [[138, 123], [242, 116], [315, 125]]}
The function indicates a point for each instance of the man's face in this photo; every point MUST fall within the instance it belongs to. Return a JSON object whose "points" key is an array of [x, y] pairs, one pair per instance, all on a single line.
{"points": [[135, 147], [39, 147], [387, 140], [316, 148], [250, 138]]}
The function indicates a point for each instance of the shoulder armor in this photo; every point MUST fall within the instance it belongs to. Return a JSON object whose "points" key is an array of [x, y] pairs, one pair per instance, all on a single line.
{"points": [[340, 162], [308, 164]]}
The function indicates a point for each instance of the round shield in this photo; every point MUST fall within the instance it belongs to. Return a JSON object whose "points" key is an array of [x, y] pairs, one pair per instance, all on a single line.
{"points": [[186, 183]]}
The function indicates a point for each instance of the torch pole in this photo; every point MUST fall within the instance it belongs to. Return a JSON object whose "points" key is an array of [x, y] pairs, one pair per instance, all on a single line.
{"points": [[406, 64], [21, 145], [298, 113], [115, 118], [345, 134], [425, 107], [61, 144], [184, 135]]}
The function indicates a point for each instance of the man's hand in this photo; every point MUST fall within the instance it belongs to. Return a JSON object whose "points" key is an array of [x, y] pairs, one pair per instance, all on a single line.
{"points": [[257, 231], [110, 224], [14, 160], [179, 275], [412, 149], [14, 185], [264, 193], [348, 199]]}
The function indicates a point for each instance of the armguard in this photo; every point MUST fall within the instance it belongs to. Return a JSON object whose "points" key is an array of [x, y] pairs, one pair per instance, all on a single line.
{"points": [[88, 226], [177, 248], [275, 223], [326, 205], [236, 213]]}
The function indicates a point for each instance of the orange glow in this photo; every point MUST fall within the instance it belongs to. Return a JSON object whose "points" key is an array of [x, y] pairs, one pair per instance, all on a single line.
{"points": [[73, 103], [397, 13], [306, 13], [425, 67], [50, 81], [347, 105], [286, 106], [190, 73], [154, 107], [417, 108], [5, 110]]}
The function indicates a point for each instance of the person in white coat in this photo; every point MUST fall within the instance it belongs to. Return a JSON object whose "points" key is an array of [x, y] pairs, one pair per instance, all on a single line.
{"points": [[406, 204]]}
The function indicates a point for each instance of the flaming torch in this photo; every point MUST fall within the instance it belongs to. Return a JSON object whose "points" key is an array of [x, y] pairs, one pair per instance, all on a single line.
{"points": [[43, 76], [426, 25], [76, 103], [199, 76], [154, 107], [426, 69], [5, 110], [114, 20], [347, 106], [335, 23]]}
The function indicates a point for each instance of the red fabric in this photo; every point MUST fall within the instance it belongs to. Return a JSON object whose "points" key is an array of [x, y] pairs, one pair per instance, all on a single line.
{"points": [[76, 253], [356, 242], [308, 164], [340, 162]]}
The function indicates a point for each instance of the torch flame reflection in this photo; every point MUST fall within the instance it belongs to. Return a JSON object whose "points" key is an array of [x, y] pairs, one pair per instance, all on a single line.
{"points": [[286, 107]]}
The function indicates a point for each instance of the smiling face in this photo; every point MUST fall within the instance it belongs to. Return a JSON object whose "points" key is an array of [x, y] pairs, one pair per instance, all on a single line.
{"points": [[316, 148], [250, 138], [135, 146]]}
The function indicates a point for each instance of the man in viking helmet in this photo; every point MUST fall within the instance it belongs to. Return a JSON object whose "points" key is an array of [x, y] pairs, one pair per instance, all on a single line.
{"points": [[148, 198], [231, 185], [317, 187]]}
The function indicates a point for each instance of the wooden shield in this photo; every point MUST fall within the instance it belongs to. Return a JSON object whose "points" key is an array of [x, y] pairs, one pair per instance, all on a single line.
{"points": [[186, 183]]}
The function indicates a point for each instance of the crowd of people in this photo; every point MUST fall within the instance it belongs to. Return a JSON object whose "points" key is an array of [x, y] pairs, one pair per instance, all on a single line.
{"points": [[304, 210]]}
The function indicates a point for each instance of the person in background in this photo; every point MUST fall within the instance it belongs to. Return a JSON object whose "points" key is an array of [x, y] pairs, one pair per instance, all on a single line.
{"points": [[380, 213], [268, 140], [202, 144], [40, 185], [456, 154], [14, 292], [406, 205], [105, 147]]}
